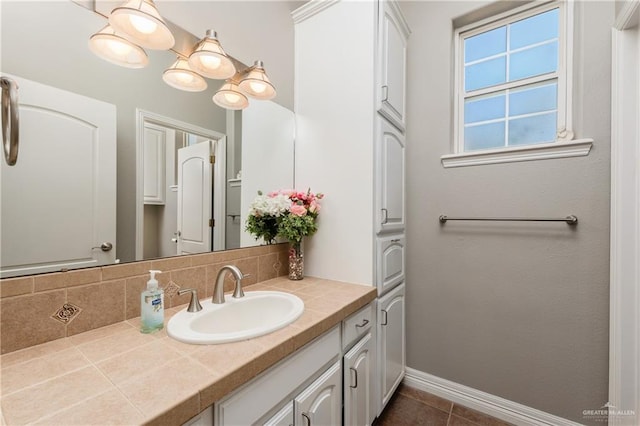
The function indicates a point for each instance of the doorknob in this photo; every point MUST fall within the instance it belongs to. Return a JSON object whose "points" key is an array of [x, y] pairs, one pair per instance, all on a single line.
{"points": [[106, 246]]}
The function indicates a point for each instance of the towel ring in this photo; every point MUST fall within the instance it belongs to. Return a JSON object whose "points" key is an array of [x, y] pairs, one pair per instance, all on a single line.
{"points": [[10, 120]]}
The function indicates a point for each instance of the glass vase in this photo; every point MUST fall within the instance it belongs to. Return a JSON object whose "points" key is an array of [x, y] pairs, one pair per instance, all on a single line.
{"points": [[296, 260]]}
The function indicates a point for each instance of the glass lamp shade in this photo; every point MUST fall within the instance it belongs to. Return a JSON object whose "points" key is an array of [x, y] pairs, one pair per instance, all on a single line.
{"points": [[111, 47], [256, 83], [210, 60], [140, 21], [229, 96], [180, 76]]}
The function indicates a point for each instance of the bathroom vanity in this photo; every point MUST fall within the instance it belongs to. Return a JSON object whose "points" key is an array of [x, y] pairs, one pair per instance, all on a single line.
{"points": [[118, 375]]}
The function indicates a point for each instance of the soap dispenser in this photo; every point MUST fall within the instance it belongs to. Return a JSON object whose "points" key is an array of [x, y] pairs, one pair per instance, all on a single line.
{"points": [[152, 306]]}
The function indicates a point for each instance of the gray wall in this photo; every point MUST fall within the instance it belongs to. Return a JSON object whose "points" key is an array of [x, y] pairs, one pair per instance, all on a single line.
{"points": [[47, 42], [516, 310]]}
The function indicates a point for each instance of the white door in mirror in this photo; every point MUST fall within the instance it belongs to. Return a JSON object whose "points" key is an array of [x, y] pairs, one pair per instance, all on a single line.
{"points": [[58, 203], [256, 314]]}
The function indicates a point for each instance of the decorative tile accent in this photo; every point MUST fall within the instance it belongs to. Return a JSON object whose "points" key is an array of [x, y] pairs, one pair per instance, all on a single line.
{"points": [[171, 289], [277, 266], [66, 313]]}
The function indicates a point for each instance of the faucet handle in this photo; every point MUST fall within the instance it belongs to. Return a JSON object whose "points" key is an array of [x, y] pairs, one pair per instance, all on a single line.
{"points": [[194, 303], [238, 292]]}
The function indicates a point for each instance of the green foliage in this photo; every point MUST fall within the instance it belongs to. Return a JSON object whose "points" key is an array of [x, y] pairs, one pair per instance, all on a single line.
{"points": [[265, 227], [293, 227]]}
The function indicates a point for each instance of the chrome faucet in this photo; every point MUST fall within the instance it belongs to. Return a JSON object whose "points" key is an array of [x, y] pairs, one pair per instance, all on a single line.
{"points": [[218, 290]]}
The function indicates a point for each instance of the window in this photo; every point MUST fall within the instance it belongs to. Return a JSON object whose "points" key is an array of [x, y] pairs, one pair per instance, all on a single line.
{"points": [[512, 75]]}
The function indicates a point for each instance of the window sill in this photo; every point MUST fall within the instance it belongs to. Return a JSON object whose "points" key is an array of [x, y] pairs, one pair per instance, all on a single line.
{"points": [[575, 148]]}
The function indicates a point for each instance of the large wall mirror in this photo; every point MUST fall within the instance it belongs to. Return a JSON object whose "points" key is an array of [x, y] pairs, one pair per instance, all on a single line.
{"points": [[155, 202]]}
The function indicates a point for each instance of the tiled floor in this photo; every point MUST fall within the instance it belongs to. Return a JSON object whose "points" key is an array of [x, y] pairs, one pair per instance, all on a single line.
{"points": [[410, 406]]}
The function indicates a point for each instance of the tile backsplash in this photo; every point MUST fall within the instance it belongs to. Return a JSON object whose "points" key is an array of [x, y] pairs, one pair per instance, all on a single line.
{"points": [[40, 308]]}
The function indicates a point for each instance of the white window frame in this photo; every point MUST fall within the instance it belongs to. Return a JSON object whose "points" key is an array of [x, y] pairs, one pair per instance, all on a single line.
{"points": [[565, 145]]}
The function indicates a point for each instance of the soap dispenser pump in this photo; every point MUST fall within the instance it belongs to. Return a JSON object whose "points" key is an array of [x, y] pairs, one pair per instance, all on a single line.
{"points": [[152, 306]]}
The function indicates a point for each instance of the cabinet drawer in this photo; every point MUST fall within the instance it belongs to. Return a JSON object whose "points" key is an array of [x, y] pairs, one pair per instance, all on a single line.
{"points": [[390, 262], [356, 325]]}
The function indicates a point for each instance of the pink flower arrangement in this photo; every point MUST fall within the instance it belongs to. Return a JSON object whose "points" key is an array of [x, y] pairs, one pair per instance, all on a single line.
{"points": [[285, 213]]}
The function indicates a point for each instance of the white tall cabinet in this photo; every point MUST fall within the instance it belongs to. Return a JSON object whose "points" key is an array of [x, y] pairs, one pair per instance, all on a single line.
{"points": [[350, 105]]}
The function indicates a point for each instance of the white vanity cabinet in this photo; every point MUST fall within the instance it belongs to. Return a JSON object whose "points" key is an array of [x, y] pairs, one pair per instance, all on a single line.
{"points": [[321, 402], [358, 386], [390, 177], [393, 33], [284, 417], [390, 264], [391, 338], [358, 342], [305, 382], [203, 419]]}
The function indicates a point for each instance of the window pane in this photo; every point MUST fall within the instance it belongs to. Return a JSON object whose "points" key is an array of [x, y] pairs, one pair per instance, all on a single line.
{"points": [[484, 136], [485, 74], [530, 130], [535, 61], [485, 44], [532, 99], [533, 30], [484, 108]]}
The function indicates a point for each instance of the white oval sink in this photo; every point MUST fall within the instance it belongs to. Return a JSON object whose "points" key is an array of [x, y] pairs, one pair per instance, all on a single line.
{"points": [[255, 314]]}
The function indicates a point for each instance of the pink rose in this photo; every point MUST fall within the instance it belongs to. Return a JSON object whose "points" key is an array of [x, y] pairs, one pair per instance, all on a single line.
{"points": [[314, 207], [298, 210]]}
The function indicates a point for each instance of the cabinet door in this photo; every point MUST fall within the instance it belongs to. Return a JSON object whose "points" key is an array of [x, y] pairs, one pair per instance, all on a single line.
{"points": [[391, 342], [393, 33], [284, 417], [320, 404], [390, 261], [154, 147], [357, 394], [390, 181]]}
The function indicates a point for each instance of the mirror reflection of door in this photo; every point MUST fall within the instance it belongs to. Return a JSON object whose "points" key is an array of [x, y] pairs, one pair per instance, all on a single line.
{"points": [[181, 191], [195, 188], [58, 201]]}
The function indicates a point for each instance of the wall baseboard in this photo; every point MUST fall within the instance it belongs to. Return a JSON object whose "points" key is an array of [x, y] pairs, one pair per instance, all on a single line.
{"points": [[486, 403]]}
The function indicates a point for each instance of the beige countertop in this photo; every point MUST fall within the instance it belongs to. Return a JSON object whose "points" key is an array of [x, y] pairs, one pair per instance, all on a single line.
{"points": [[116, 375]]}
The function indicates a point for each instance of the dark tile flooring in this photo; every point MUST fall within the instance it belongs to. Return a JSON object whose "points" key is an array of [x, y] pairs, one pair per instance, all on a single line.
{"points": [[411, 406]]}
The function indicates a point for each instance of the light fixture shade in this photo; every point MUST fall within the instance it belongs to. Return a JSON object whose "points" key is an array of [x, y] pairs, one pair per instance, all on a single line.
{"points": [[140, 21], [229, 96], [256, 83], [180, 76], [210, 60], [111, 47]]}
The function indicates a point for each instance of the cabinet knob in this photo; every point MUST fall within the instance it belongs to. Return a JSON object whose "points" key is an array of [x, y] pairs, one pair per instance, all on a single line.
{"points": [[384, 317], [385, 93]]}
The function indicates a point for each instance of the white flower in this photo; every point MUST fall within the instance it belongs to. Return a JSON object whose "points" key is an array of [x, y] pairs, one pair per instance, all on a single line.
{"points": [[264, 205]]}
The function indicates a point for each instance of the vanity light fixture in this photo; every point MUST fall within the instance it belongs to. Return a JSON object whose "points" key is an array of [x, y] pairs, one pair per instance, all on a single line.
{"points": [[141, 22], [256, 84], [117, 50], [210, 60], [181, 76], [229, 96]]}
